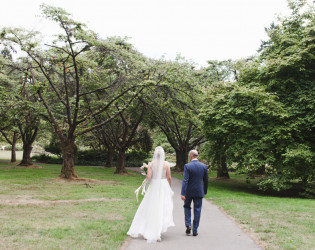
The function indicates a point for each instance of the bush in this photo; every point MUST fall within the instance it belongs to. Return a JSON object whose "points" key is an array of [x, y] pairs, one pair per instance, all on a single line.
{"points": [[53, 148], [273, 183], [54, 145], [90, 157], [136, 158], [44, 158], [95, 158], [133, 158]]}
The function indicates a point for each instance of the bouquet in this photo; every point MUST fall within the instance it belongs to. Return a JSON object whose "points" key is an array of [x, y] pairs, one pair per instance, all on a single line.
{"points": [[144, 169]]}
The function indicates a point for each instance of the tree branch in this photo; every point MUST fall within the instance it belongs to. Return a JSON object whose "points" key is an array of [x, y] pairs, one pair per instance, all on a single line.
{"points": [[136, 126], [52, 118], [111, 118], [6, 137], [106, 106], [68, 108]]}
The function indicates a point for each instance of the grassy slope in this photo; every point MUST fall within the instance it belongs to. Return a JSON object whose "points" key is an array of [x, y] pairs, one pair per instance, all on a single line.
{"points": [[277, 222], [75, 225]]}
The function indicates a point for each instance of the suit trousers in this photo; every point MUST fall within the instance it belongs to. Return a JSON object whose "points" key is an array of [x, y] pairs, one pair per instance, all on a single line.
{"points": [[197, 212]]}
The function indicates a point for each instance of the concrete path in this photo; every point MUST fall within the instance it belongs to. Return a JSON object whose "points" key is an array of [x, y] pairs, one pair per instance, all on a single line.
{"points": [[216, 231]]}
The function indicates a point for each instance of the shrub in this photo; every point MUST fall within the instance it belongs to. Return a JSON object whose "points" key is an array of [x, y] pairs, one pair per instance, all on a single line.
{"points": [[95, 158], [44, 158], [90, 157], [136, 158], [54, 146], [273, 183]]}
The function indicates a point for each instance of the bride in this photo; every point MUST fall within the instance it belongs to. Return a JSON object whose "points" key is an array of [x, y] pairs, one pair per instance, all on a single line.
{"points": [[155, 213]]}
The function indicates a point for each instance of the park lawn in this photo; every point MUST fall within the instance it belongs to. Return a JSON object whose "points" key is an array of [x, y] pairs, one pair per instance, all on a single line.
{"points": [[51, 213], [274, 222]]}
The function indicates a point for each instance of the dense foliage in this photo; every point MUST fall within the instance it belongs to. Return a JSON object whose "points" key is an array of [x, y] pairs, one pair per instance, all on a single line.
{"points": [[265, 122], [173, 103], [76, 77]]}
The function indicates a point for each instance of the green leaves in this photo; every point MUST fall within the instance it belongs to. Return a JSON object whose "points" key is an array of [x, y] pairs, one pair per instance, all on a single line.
{"points": [[245, 124], [265, 121], [38, 87]]}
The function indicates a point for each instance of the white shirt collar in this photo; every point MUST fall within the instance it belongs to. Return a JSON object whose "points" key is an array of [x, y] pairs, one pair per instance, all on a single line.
{"points": [[194, 159]]}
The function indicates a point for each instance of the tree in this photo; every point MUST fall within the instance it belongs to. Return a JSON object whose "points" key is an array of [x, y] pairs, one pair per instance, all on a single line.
{"points": [[219, 71], [173, 101], [126, 132], [109, 146], [244, 126], [265, 120], [70, 71], [288, 58], [8, 128], [285, 68], [19, 112], [28, 109]]}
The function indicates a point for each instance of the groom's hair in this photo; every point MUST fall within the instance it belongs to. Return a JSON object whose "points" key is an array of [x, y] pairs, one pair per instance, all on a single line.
{"points": [[194, 153]]}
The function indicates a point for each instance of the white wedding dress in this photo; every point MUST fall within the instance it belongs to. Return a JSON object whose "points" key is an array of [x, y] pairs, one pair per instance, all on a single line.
{"points": [[155, 213]]}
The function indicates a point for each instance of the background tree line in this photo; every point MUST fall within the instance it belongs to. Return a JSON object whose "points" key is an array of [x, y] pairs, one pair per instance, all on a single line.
{"points": [[264, 121]]}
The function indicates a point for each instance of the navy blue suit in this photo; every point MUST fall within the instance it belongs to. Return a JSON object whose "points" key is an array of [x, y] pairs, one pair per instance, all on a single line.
{"points": [[194, 188]]}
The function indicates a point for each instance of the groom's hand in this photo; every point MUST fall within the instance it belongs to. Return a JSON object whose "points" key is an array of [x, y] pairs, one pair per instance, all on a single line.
{"points": [[183, 197]]}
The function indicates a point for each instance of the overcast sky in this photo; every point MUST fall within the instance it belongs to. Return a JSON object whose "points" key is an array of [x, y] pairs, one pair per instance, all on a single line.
{"points": [[199, 30]]}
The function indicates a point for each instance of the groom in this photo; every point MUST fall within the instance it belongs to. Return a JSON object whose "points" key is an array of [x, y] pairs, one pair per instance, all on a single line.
{"points": [[195, 173]]}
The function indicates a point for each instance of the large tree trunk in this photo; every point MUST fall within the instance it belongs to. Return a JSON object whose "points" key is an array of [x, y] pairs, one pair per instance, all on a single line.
{"points": [[26, 159], [121, 162], [68, 149], [13, 147], [181, 159], [110, 156], [13, 152], [28, 134], [222, 171]]}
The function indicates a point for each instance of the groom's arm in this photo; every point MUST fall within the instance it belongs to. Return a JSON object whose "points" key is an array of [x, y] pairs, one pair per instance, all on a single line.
{"points": [[205, 180], [185, 182]]}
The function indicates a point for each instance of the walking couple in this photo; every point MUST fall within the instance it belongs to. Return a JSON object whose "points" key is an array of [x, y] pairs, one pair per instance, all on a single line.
{"points": [[155, 213]]}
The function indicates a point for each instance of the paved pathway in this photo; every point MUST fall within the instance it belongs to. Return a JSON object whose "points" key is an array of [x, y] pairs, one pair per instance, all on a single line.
{"points": [[216, 231]]}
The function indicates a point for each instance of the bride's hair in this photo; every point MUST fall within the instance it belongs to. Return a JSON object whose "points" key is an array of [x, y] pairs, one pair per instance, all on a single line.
{"points": [[158, 162], [158, 152]]}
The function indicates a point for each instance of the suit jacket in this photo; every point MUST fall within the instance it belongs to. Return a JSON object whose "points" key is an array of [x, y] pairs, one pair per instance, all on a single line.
{"points": [[195, 173]]}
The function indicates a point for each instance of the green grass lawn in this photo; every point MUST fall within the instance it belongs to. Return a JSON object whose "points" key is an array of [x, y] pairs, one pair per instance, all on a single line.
{"points": [[275, 222], [49, 213]]}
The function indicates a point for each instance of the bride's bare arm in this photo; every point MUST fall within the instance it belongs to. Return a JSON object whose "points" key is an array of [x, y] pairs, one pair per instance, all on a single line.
{"points": [[149, 172], [168, 174]]}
